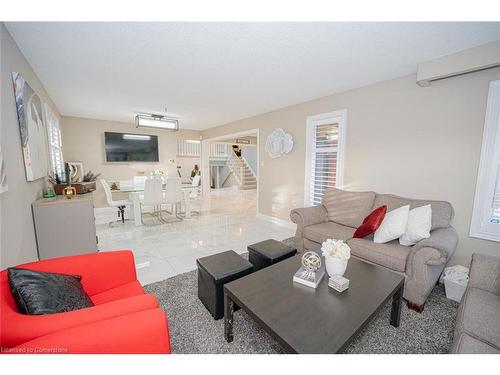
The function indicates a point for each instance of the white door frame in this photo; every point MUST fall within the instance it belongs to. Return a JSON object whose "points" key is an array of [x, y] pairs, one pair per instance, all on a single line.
{"points": [[485, 183], [205, 142], [339, 116]]}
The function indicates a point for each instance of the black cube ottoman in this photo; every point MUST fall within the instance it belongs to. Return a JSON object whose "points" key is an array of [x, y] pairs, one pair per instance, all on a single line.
{"points": [[213, 272], [263, 254]]}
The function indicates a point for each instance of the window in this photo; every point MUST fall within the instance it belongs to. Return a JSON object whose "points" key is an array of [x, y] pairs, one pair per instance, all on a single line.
{"points": [[324, 154], [486, 213], [495, 206], [55, 143]]}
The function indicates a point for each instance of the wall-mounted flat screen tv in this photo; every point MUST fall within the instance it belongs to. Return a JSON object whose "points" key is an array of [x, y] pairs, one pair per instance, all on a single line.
{"points": [[130, 147]]}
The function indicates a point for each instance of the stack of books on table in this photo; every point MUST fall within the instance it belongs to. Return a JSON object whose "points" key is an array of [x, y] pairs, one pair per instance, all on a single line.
{"points": [[309, 278], [339, 283]]}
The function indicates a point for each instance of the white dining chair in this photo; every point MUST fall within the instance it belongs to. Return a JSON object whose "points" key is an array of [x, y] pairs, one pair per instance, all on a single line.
{"points": [[139, 182], [153, 197], [119, 204], [195, 187], [173, 196], [195, 193], [126, 185]]}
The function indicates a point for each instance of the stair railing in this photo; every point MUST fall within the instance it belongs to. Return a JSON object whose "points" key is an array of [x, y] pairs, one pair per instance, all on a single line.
{"points": [[242, 175], [236, 165], [218, 150], [248, 166]]}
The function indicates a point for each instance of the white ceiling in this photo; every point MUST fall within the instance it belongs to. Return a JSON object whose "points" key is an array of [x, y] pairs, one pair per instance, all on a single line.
{"points": [[209, 74]]}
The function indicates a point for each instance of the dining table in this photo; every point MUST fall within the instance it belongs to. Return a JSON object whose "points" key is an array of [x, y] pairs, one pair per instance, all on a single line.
{"points": [[134, 194]]}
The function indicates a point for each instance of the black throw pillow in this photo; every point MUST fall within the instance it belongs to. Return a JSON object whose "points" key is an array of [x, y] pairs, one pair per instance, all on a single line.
{"points": [[39, 293]]}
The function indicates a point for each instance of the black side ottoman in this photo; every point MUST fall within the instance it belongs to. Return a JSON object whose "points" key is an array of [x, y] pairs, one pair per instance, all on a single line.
{"points": [[263, 254], [213, 272]]}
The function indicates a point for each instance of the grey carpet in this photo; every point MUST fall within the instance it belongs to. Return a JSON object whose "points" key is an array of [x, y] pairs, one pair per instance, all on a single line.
{"points": [[193, 330]]}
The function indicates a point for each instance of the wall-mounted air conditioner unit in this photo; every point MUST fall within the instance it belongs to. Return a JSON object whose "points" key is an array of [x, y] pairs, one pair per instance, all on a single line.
{"points": [[467, 61]]}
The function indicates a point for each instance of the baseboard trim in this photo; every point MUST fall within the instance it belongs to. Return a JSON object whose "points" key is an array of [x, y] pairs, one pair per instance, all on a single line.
{"points": [[102, 209], [275, 220], [107, 210]]}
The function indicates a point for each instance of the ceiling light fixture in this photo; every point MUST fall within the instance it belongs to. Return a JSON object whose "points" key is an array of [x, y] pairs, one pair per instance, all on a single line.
{"points": [[137, 137], [149, 120]]}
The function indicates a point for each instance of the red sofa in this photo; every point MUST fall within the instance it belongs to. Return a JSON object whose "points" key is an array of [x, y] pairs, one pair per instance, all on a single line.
{"points": [[124, 319]]}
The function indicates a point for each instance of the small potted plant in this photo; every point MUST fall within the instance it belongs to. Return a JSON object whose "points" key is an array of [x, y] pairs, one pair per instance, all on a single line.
{"points": [[336, 253]]}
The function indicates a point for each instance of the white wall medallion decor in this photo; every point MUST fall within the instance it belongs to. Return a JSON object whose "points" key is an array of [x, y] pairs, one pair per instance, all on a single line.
{"points": [[279, 142]]}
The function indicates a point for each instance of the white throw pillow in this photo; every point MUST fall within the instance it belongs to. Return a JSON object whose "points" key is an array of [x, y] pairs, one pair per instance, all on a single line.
{"points": [[393, 226], [419, 226]]}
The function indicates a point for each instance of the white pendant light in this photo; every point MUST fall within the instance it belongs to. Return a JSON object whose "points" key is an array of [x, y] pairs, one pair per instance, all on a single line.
{"points": [[146, 120]]}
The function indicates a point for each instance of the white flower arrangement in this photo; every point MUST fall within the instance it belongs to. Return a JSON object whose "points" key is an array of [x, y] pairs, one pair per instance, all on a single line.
{"points": [[336, 249], [158, 172]]}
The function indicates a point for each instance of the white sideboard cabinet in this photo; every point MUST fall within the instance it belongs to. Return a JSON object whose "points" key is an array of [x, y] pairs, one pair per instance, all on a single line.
{"points": [[64, 226]]}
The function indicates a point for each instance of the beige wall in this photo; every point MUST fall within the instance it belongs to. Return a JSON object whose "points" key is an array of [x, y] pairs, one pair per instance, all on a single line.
{"points": [[401, 138], [17, 233], [83, 140]]}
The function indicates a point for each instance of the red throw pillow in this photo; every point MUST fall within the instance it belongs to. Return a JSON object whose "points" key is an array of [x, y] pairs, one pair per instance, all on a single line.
{"points": [[371, 222]]}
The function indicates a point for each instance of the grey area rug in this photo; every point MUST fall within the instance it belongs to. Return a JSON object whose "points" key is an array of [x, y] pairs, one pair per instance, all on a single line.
{"points": [[193, 330]]}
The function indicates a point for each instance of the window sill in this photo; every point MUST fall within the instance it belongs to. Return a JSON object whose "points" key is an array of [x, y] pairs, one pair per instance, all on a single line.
{"points": [[484, 236]]}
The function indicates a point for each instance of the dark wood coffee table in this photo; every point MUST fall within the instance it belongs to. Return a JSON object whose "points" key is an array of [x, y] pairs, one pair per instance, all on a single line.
{"points": [[307, 320]]}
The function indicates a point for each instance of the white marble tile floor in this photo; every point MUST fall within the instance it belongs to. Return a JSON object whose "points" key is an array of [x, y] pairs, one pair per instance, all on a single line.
{"points": [[227, 222]]}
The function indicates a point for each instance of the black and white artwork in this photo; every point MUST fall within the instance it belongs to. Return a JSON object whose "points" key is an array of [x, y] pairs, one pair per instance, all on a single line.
{"points": [[32, 128], [3, 174]]}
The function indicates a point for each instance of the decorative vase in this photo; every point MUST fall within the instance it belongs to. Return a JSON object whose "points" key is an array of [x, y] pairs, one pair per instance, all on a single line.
{"points": [[69, 191], [335, 266]]}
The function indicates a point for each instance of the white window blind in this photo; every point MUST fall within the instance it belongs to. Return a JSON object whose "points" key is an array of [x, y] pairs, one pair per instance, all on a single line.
{"points": [[323, 159], [495, 205], [485, 221], [55, 143]]}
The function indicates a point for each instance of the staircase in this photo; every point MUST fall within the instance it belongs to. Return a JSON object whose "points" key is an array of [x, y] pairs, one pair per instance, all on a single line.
{"points": [[241, 170]]}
